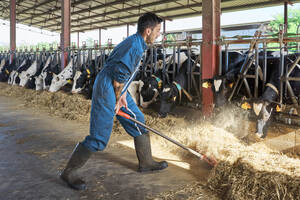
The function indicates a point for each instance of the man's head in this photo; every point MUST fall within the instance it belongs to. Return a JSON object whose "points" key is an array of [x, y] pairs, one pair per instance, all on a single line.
{"points": [[149, 26]]}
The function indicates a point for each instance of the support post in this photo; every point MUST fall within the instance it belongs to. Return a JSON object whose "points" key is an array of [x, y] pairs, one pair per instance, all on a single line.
{"points": [[127, 30], [65, 31], [78, 39], [210, 50], [99, 37], [12, 27]]}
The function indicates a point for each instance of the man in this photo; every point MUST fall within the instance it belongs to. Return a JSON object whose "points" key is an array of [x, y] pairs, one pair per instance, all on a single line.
{"points": [[109, 96]]}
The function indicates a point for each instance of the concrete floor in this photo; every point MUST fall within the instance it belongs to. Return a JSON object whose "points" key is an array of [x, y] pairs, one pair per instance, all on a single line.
{"points": [[34, 147]]}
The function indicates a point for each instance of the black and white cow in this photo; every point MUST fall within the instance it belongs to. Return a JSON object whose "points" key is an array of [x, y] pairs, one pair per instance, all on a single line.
{"points": [[26, 74], [62, 78], [267, 103], [84, 79], [2, 63], [40, 79], [6, 70], [150, 87], [176, 91], [14, 78], [30, 84], [223, 85]]}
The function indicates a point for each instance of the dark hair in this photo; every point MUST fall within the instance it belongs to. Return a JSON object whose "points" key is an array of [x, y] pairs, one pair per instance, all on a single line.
{"points": [[148, 20]]}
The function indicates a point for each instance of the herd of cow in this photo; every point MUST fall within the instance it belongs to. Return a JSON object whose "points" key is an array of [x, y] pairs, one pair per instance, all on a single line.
{"points": [[158, 85]]}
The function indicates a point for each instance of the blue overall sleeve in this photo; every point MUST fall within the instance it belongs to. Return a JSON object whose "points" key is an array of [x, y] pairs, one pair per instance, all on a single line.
{"points": [[125, 66]]}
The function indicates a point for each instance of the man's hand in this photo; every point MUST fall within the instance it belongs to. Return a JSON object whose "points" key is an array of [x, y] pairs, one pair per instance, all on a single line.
{"points": [[120, 100]]}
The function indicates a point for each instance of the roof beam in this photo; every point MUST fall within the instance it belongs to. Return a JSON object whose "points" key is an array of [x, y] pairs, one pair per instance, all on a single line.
{"points": [[122, 24], [235, 8], [135, 15], [116, 11], [76, 12], [7, 7]]}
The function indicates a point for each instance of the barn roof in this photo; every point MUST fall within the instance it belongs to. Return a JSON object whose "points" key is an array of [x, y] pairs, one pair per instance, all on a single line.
{"points": [[94, 14]]}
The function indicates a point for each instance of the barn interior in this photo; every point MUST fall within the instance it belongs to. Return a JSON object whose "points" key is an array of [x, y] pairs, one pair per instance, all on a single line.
{"points": [[39, 128]]}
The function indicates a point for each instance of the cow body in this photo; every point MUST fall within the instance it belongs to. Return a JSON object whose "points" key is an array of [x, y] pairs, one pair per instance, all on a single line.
{"points": [[267, 103]]}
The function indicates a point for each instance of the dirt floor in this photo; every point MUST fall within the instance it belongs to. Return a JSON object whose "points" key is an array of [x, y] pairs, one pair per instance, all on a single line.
{"points": [[38, 131], [35, 147]]}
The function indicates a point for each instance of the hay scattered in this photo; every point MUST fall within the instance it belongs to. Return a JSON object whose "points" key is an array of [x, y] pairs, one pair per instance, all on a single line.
{"points": [[245, 171]]}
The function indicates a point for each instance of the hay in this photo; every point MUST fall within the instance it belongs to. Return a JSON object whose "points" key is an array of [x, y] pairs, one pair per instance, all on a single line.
{"points": [[245, 171]]}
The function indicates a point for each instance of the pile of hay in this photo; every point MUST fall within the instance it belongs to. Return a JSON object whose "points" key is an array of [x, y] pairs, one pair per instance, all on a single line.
{"points": [[244, 171]]}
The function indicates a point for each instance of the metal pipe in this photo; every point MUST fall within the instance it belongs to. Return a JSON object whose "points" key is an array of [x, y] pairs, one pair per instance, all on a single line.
{"points": [[12, 28], [256, 71], [298, 34], [285, 17], [226, 58], [264, 65]]}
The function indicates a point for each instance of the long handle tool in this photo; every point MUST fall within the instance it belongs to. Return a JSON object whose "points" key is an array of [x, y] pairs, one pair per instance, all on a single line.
{"points": [[212, 162]]}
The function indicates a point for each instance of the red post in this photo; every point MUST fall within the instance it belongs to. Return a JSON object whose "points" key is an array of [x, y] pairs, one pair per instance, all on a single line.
{"points": [[211, 10], [12, 26], [65, 31]]}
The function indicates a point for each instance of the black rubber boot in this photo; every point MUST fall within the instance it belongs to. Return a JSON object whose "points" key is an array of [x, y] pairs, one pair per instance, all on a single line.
{"points": [[78, 158], [143, 152]]}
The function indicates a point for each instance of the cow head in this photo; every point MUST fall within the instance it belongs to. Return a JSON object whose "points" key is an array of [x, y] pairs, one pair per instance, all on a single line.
{"points": [[222, 88], [39, 82], [16, 79], [30, 83], [79, 82], [149, 90], [82, 78], [57, 82], [168, 97], [25, 75], [263, 111], [62, 78]]}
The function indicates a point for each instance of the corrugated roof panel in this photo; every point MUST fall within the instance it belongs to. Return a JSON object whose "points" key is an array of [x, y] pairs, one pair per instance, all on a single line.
{"points": [[102, 13]]}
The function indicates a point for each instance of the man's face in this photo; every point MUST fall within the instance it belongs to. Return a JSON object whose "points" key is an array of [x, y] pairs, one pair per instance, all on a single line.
{"points": [[154, 34]]}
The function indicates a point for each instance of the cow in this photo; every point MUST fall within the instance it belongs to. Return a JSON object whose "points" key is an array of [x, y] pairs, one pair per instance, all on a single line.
{"points": [[30, 84], [62, 78], [151, 86], [26, 74], [2, 63], [84, 79], [265, 106], [172, 93], [134, 91], [223, 85], [6, 70], [39, 83], [14, 75], [149, 89]]}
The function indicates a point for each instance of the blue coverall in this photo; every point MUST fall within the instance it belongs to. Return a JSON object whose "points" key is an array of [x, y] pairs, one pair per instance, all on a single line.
{"points": [[121, 66]]}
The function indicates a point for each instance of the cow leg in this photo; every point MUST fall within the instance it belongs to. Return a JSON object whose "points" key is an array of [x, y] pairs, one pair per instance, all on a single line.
{"points": [[141, 138]]}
